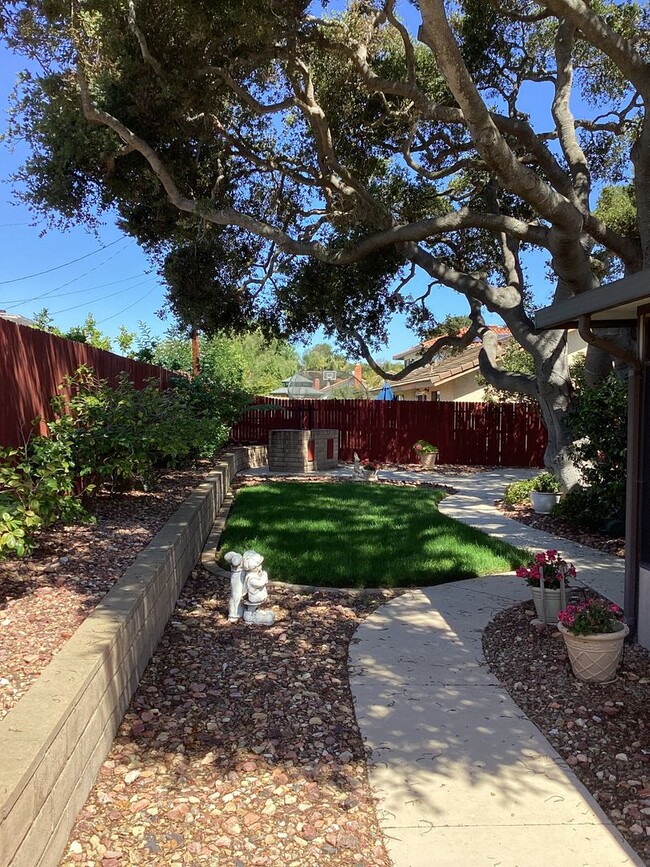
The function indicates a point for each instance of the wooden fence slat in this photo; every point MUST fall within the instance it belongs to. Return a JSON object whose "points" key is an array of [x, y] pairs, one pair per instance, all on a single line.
{"points": [[33, 364], [385, 431]]}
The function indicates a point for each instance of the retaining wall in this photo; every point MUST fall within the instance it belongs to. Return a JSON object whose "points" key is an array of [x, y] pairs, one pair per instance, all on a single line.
{"points": [[53, 742]]}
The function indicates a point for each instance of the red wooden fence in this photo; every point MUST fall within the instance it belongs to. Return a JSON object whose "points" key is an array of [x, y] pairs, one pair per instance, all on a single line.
{"points": [[511, 435], [33, 364]]}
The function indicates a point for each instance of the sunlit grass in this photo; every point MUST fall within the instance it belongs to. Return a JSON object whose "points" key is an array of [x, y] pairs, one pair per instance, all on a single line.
{"points": [[360, 535]]}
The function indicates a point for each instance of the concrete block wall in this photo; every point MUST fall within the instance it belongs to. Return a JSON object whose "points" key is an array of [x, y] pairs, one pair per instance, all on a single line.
{"points": [[53, 742], [289, 450]]}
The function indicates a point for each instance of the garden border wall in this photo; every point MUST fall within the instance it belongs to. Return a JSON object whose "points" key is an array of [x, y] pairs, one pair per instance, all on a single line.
{"points": [[57, 736]]}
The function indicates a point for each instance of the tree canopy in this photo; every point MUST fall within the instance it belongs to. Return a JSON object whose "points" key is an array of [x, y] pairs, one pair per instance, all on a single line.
{"points": [[313, 163]]}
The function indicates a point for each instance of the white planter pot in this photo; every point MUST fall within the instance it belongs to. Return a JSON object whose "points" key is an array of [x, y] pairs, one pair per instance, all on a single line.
{"points": [[552, 601], [595, 658], [428, 459], [543, 502], [370, 475]]}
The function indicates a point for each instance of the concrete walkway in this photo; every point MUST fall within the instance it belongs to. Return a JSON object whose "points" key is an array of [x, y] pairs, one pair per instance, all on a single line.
{"points": [[462, 776]]}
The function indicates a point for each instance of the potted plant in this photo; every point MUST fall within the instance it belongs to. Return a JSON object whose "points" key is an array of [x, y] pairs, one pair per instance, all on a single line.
{"points": [[548, 577], [545, 493], [593, 633], [427, 454], [370, 472]]}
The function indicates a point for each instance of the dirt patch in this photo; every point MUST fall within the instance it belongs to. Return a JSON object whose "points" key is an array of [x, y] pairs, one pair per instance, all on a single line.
{"points": [[45, 598]]}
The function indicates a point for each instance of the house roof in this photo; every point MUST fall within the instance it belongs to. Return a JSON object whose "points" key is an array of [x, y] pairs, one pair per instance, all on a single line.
{"points": [[500, 330], [432, 375], [310, 384], [613, 304], [17, 318]]}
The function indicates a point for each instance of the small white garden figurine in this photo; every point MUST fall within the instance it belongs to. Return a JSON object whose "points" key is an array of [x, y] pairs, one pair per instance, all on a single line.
{"points": [[248, 588], [237, 585], [357, 472]]}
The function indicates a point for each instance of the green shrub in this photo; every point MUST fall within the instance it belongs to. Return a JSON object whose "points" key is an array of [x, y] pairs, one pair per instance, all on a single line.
{"points": [[37, 488], [518, 492], [545, 483], [111, 437], [598, 423], [583, 508]]}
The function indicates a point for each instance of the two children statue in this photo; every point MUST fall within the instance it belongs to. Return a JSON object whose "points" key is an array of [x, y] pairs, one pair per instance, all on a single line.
{"points": [[248, 588]]}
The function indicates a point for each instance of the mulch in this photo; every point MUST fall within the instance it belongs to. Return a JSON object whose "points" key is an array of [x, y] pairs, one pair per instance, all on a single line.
{"points": [[241, 745]]}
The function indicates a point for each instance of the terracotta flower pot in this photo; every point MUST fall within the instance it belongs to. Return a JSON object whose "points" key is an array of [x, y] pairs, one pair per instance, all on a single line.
{"points": [[595, 658]]}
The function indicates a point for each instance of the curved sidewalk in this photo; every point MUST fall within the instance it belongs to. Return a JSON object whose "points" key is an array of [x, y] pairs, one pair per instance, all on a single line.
{"points": [[462, 776]]}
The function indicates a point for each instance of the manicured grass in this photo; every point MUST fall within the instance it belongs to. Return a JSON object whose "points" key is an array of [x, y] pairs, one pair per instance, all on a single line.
{"points": [[360, 535]]}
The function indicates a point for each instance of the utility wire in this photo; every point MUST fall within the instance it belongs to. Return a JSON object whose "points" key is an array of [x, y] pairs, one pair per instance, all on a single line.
{"points": [[11, 304], [58, 267], [129, 307], [103, 298], [74, 291]]}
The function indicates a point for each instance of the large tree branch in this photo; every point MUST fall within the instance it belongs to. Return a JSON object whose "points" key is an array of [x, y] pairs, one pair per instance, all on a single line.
{"points": [[435, 112], [447, 341], [596, 30], [563, 117], [502, 380], [436, 33]]}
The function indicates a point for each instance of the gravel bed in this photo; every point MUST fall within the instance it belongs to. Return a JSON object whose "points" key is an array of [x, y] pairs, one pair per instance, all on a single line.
{"points": [[45, 598], [241, 745], [601, 730], [558, 527]]}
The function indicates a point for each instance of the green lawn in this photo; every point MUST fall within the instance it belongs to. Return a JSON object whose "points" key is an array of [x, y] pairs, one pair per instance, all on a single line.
{"points": [[360, 535]]}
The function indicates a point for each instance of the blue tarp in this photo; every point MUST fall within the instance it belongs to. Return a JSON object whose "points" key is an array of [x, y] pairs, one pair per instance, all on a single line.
{"points": [[385, 393]]}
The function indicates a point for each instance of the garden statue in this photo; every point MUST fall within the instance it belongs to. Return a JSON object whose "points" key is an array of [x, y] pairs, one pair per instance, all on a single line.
{"points": [[357, 472], [248, 588]]}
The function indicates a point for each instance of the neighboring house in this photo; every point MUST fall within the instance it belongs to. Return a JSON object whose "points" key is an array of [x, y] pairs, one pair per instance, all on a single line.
{"points": [[17, 318], [454, 377], [322, 385]]}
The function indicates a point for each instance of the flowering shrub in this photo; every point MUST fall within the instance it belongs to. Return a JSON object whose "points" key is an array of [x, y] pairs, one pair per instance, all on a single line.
{"points": [[422, 447], [593, 617], [550, 568]]}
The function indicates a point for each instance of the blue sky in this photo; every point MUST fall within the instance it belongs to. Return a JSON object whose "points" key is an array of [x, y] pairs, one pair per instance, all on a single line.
{"points": [[76, 272]]}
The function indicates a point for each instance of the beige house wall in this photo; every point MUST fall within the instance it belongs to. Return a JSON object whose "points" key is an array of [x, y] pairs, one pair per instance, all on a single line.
{"points": [[464, 388]]}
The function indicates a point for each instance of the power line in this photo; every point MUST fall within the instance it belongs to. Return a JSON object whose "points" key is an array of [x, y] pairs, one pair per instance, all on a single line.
{"points": [[14, 303], [58, 267], [11, 304], [11, 225], [103, 298], [129, 307]]}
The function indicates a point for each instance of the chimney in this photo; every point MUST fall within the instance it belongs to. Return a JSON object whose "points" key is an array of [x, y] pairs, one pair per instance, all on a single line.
{"points": [[317, 384], [358, 374]]}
